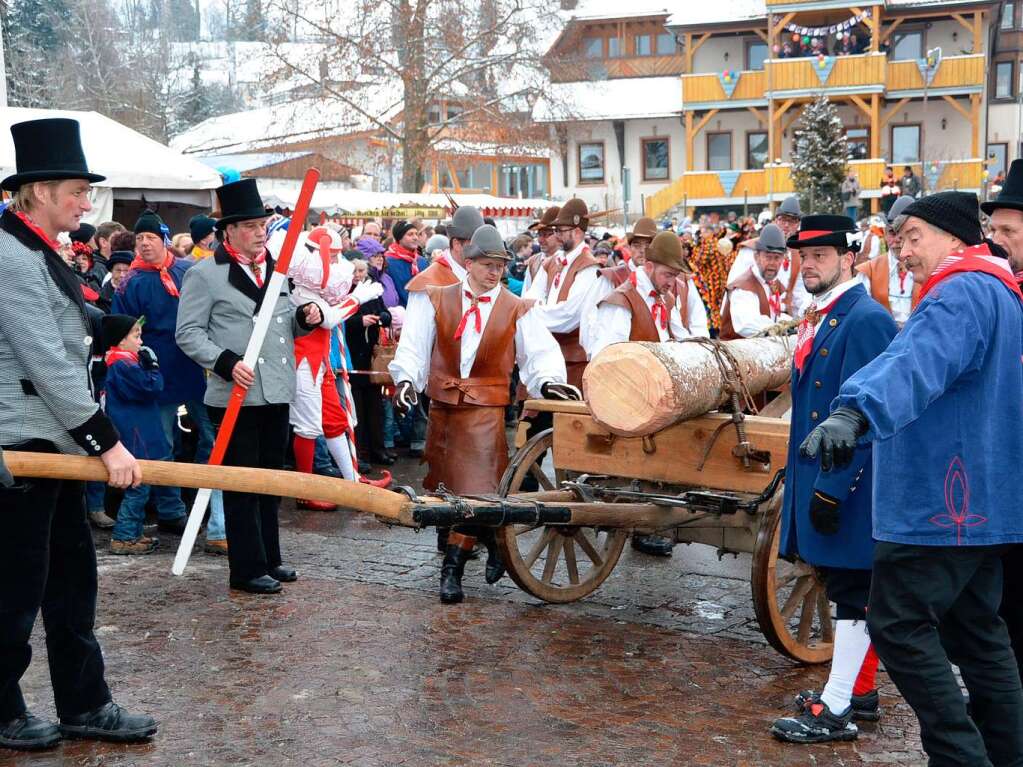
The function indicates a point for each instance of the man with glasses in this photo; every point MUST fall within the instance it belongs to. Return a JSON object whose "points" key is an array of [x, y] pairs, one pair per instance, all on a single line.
{"points": [[550, 245]]}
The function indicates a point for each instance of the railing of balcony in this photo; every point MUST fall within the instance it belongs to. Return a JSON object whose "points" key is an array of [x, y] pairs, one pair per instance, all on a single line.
{"points": [[814, 74], [708, 88], [952, 72]]}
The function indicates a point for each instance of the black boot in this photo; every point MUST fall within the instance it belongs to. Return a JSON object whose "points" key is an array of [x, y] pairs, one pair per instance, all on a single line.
{"points": [[495, 566], [655, 545], [29, 733], [442, 539], [451, 575]]}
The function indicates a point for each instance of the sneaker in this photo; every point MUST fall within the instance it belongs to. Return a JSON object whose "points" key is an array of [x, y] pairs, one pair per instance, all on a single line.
{"points": [[100, 520], [141, 545], [865, 708], [111, 723], [175, 526], [29, 733], [816, 724], [216, 547]]}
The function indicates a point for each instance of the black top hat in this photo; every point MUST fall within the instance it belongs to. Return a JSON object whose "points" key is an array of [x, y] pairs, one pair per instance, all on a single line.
{"points": [[1011, 195], [240, 201], [817, 231], [48, 150]]}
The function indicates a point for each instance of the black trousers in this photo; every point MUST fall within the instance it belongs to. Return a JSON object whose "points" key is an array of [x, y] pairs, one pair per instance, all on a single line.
{"points": [[48, 563], [253, 538], [935, 605], [369, 410], [849, 590], [1012, 600]]}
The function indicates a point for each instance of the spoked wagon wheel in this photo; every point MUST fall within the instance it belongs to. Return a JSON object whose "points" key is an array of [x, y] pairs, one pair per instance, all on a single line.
{"points": [[555, 563], [789, 601]]}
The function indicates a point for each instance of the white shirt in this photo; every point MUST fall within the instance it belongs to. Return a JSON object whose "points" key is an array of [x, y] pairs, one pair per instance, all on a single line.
{"points": [[613, 324], [536, 352], [527, 278], [566, 316], [420, 296], [900, 292], [745, 260], [824, 299], [747, 320]]}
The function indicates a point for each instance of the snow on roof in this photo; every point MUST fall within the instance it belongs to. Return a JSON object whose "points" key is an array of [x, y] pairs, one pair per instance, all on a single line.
{"points": [[333, 201], [619, 99], [128, 159], [486, 148], [250, 160], [731, 11]]}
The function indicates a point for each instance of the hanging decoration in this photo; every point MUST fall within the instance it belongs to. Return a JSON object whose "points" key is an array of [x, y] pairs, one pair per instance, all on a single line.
{"points": [[932, 171], [823, 65], [729, 79], [728, 179], [807, 34]]}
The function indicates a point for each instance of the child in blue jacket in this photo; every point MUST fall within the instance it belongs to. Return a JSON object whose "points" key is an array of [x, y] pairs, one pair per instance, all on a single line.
{"points": [[133, 384]]}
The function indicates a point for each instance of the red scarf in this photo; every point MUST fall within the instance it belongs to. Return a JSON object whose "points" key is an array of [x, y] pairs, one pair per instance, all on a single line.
{"points": [[443, 261], [474, 308], [116, 354], [34, 228], [804, 339], [774, 299], [976, 258], [658, 309], [404, 254], [138, 264], [255, 264]]}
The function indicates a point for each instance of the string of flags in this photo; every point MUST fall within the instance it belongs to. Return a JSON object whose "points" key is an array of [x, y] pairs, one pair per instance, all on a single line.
{"points": [[833, 29]]}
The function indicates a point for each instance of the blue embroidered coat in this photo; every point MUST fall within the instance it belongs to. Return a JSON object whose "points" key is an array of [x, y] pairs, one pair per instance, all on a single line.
{"points": [[142, 294], [852, 334], [945, 406], [401, 273]]}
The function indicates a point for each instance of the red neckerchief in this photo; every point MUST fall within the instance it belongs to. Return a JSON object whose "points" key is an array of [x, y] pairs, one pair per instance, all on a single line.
{"points": [[562, 263], [255, 264], [804, 339], [116, 354], [658, 309], [89, 294], [443, 261], [976, 258], [138, 264], [401, 253], [474, 308], [774, 298], [50, 243]]}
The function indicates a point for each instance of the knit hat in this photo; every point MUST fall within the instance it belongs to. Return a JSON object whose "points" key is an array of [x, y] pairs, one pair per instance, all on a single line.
{"points": [[83, 233], [115, 327], [200, 227], [437, 242], [149, 222], [952, 212], [120, 257], [368, 247], [400, 229]]}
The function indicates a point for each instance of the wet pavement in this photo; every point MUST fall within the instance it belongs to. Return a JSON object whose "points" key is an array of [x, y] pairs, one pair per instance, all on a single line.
{"points": [[358, 664]]}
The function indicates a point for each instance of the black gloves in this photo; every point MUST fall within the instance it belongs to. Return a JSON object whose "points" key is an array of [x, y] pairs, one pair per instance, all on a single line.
{"points": [[147, 359], [562, 391], [384, 318], [405, 397], [824, 514], [835, 438]]}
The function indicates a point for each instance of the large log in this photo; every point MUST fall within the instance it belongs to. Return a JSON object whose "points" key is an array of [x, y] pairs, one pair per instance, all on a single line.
{"points": [[636, 389]]}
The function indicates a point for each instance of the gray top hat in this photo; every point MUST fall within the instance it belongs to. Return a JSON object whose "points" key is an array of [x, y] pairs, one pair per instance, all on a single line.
{"points": [[895, 213], [486, 242], [771, 239], [790, 207], [466, 220]]}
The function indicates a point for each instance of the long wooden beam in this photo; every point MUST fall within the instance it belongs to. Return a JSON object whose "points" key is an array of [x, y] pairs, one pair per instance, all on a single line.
{"points": [[706, 119], [761, 118], [888, 32], [955, 105], [861, 104], [784, 20], [891, 112]]}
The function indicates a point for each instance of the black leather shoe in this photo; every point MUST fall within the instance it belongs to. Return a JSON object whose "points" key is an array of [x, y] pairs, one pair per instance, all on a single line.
{"points": [[264, 584], [381, 459], [29, 733], [653, 545], [495, 567], [175, 526], [451, 575], [284, 574], [329, 471], [109, 722]]}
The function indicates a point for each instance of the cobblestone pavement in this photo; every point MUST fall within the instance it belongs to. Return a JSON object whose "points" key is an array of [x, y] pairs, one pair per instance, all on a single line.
{"points": [[358, 664]]}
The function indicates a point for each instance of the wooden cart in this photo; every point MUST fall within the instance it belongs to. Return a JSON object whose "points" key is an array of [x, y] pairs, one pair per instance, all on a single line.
{"points": [[689, 482]]}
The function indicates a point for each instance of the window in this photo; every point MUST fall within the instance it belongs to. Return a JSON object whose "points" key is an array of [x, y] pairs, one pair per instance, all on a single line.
{"points": [[666, 45], [905, 144], [908, 45], [476, 176], [997, 155], [593, 47], [1003, 80], [719, 151], [591, 163], [1007, 14], [858, 140], [756, 150], [756, 54], [614, 47], [655, 159], [642, 45], [522, 180]]}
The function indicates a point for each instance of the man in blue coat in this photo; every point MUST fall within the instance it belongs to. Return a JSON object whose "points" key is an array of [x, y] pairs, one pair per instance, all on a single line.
{"points": [[943, 407], [826, 515]]}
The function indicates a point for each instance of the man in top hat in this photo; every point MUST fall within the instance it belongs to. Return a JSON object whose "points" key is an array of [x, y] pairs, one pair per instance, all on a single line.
{"points": [[47, 406], [550, 245], [460, 349], [888, 277], [1006, 212], [826, 515], [562, 287], [756, 299], [942, 408], [220, 298]]}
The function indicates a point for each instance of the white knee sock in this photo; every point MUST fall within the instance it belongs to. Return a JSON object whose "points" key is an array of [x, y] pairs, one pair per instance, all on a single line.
{"points": [[338, 447], [851, 644]]}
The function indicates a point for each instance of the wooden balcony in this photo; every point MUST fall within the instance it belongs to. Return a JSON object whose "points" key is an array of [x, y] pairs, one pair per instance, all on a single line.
{"points": [[862, 73], [962, 73], [572, 70], [705, 90]]}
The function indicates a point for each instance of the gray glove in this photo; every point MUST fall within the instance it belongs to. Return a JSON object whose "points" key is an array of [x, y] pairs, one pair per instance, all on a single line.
{"points": [[5, 476], [405, 397], [562, 391]]}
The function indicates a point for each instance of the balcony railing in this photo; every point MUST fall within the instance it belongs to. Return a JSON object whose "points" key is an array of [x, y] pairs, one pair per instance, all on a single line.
{"points": [[953, 72], [571, 70], [865, 71], [708, 88]]}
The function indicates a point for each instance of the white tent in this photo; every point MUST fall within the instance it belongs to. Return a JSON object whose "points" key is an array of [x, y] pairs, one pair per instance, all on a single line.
{"points": [[133, 164]]}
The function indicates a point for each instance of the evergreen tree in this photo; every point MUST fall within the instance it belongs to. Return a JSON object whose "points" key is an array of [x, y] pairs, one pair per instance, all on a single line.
{"points": [[820, 156], [35, 32]]}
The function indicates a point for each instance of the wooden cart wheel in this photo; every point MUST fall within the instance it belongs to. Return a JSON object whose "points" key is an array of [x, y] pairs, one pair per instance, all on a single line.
{"points": [[789, 601], [555, 563]]}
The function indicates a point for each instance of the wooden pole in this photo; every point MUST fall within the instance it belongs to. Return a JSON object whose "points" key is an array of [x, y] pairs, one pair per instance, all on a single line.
{"points": [[636, 389]]}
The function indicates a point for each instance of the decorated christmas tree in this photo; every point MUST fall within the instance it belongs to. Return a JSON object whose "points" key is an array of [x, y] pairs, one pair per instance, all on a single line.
{"points": [[820, 156]]}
